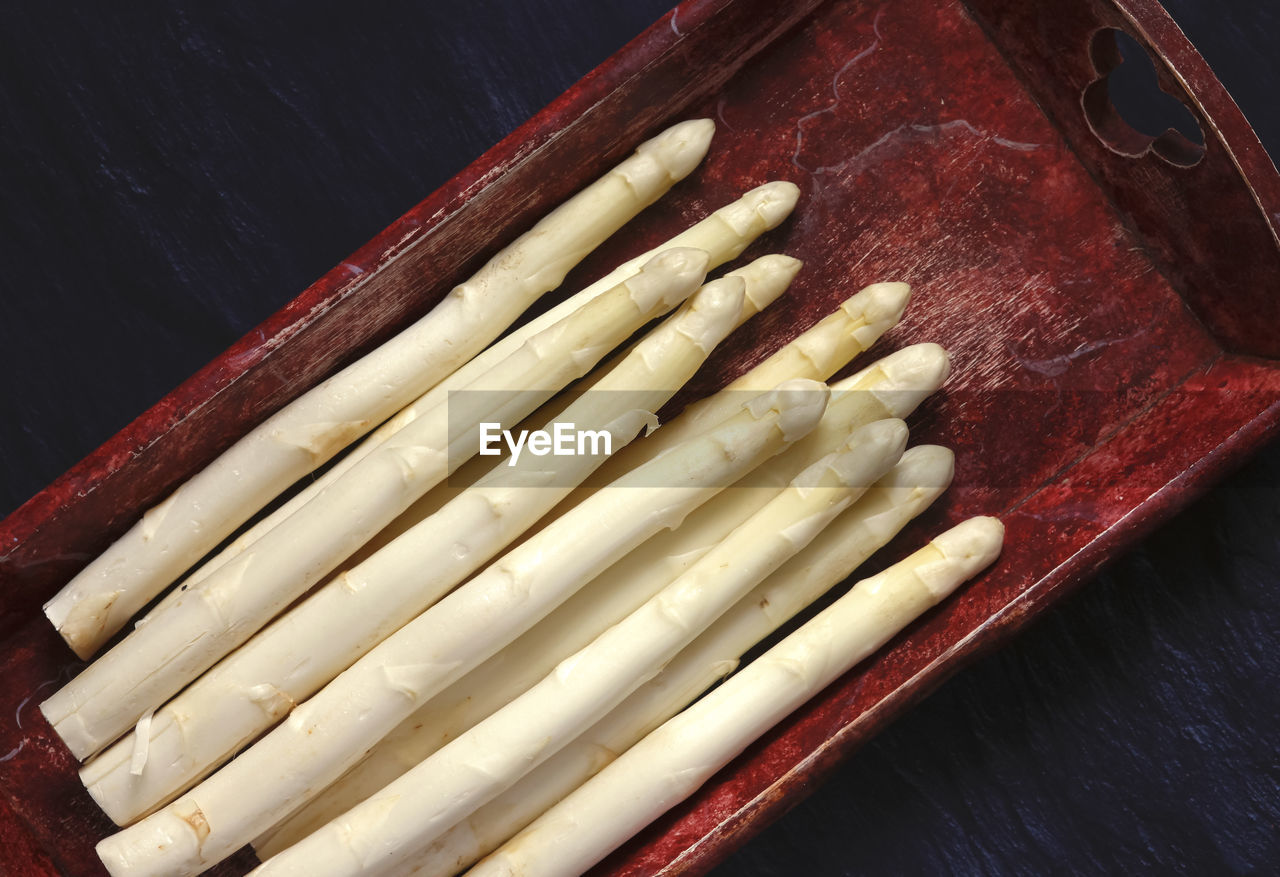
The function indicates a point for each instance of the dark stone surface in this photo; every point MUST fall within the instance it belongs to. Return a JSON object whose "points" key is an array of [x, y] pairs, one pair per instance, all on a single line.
{"points": [[174, 173], [171, 174]]}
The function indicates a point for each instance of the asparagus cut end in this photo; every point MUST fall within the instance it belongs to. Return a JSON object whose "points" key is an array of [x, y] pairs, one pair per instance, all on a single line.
{"points": [[71, 729], [180, 835], [82, 624]]}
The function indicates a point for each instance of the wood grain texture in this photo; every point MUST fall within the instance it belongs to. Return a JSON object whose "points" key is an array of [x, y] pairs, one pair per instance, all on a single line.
{"points": [[251, 72]]}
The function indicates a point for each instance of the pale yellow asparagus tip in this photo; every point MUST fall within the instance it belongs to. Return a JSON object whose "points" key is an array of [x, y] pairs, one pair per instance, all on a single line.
{"points": [[767, 278], [881, 306], [664, 281], [920, 365], [772, 202], [966, 548], [924, 467], [712, 313], [829, 344], [686, 142], [800, 402], [902, 379]]}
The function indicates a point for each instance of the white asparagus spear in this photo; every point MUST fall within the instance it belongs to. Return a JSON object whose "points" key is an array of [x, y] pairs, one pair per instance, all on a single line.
{"points": [[218, 613], [766, 278], [909, 488], [723, 235], [385, 831], [313, 642], [304, 434], [817, 354], [889, 388], [673, 761], [325, 736]]}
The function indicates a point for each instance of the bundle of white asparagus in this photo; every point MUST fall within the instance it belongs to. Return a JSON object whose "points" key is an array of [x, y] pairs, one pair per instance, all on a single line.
{"points": [[310, 430], [670, 763], [413, 671]]}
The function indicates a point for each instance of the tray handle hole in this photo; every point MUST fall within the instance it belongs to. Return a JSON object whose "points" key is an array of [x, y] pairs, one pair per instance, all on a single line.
{"points": [[1130, 112]]}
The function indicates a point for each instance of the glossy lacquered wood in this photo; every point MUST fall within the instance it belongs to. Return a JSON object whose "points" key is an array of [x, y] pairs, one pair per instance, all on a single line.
{"points": [[1108, 314]]}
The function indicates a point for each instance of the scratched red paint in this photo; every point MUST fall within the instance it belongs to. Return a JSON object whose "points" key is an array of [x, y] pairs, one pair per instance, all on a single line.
{"points": [[1102, 373]]}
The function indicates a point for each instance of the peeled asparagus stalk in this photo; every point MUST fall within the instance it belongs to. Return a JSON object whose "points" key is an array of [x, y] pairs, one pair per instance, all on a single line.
{"points": [[292, 658], [723, 235], [307, 432], [909, 488], [385, 831], [218, 613], [889, 388], [817, 354], [605, 601], [669, 764], [766, 278], [325, 736]]}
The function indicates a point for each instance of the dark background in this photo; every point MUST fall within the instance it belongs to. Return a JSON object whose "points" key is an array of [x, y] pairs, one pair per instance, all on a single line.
{"points": [[170, 174]]}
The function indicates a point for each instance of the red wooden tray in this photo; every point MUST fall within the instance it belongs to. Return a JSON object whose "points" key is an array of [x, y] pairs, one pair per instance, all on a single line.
{"points": [[1107, 305]]}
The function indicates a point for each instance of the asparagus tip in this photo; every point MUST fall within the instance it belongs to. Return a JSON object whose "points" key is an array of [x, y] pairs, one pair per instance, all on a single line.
{"points": [[889, 434], [800, 404], [930, 466], [682, 146], [920, 366], [884, 303], [668, 278], [780, 266], [774, 201], [712, 312], [871, 450], [973, 543], [767, 278]]}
